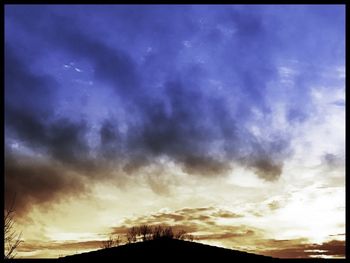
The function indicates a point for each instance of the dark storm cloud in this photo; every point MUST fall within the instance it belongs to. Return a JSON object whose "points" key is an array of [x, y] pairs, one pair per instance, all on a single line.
{"points": [[110, 64], [36, 182], [177, 126], [62, 140], [265, 168], [152, 60], [21, 85], [110, 141], [29, 114], [174, 124], [204, 165], [31, 121]]}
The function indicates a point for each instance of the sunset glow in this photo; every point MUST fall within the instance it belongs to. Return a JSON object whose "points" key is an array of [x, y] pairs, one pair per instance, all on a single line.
{"points": [[225, 121]]}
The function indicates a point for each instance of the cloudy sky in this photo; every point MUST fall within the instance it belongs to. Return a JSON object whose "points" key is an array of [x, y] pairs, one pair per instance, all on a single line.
{"points": [[226, 121]]}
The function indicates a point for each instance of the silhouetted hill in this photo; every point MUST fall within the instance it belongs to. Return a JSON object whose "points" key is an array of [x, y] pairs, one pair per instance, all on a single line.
{"points": [[167, 251], [170, 250]]}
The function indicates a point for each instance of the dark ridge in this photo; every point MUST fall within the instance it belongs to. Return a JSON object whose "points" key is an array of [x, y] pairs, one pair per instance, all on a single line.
{"points": [[168, 250], [164, 251]]}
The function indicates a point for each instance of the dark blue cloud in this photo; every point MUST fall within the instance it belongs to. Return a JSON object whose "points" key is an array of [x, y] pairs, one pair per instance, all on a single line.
{"points": [[185, 82]]}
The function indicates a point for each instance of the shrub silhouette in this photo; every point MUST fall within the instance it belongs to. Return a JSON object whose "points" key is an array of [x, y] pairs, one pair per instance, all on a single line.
{"points": [[181, 235], [189, 237]]}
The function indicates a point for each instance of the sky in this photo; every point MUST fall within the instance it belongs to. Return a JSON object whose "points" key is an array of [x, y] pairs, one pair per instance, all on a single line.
{"points": [[226, 121]]}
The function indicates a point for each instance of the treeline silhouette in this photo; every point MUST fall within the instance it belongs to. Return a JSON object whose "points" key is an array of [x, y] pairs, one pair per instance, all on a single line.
{"points": [[147, 232]]}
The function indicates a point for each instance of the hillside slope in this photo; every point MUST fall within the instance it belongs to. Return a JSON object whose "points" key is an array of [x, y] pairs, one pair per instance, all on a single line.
{"points": [[165, 251]]}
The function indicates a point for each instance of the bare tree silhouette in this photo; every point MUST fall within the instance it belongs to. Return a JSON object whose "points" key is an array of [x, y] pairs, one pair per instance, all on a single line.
{"points": [[111, 242], [167, 233], [131, 235], [157, 232], [11, 238], [145, 231]]}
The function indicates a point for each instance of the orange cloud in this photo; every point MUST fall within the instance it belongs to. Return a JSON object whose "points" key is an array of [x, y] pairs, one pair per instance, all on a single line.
{"points": [[206, 226], [300, 249]]}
